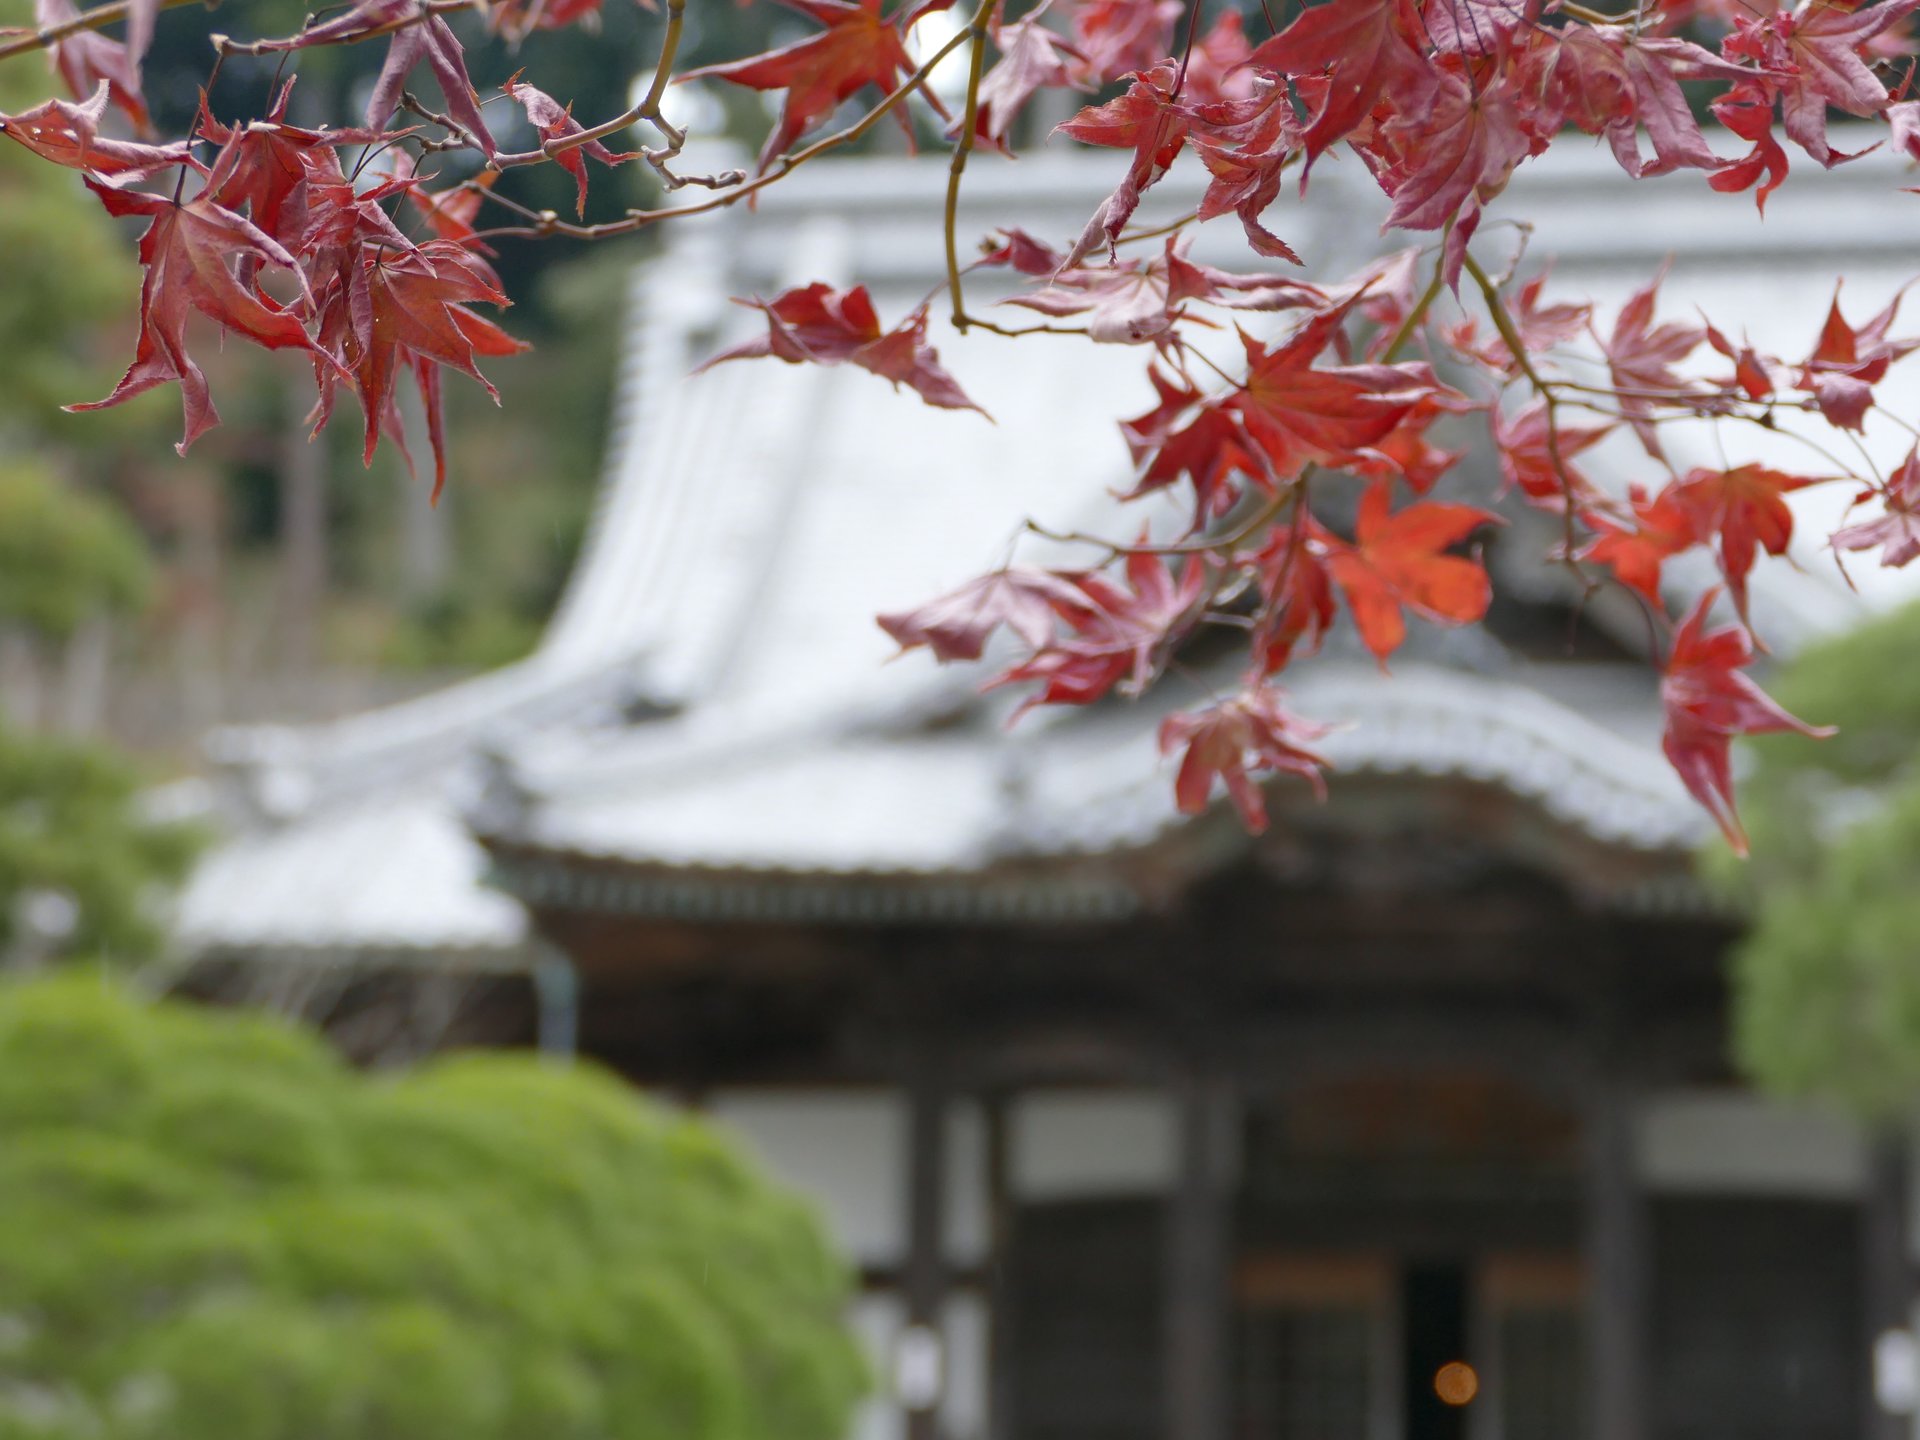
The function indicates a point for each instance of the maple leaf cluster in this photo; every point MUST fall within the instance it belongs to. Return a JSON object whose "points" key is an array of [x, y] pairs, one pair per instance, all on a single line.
{"points": [[1442, 103], [277, 242], [1301, 425]]}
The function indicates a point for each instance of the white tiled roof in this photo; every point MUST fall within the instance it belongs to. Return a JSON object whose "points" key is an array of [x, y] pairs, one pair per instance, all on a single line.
{"points": [[755, 517]]}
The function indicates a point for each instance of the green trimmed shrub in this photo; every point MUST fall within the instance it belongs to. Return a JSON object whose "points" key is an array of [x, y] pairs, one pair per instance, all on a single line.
{"points": [[212, 1229]]}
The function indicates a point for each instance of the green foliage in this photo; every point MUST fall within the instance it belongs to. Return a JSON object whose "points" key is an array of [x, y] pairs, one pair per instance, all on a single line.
{"points": [[210, 1228], [69, 826], [1827, 980], [64, 556]]}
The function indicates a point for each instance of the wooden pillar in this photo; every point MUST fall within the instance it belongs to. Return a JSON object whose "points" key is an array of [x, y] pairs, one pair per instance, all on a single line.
{"points": [[1198, 1305], [1618, 1269], [922, 1361], [1002, 1347], [1886, 1284]]}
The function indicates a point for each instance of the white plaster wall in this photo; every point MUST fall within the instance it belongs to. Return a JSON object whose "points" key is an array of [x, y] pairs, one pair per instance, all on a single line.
{"points": [[1072, 1143], [847, 1151], [1725, 1141], [878, 1319]]}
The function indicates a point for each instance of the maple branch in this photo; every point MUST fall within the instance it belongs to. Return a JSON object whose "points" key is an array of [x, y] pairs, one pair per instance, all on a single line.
{"points": [[460, 138], [1418, 313], [1134, 237], [552, 224], [963, 147], [1549, 399], [1598, 17], [425, 11], [96, 18], [648, 109]]}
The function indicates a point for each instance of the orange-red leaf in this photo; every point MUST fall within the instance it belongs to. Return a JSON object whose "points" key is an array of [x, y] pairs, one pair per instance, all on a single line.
{"points": [[1399, 562], [1747, 509]]}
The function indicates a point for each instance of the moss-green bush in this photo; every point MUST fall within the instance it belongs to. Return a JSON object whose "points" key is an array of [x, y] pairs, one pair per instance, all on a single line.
{"points": [[211, 1229], [1827, 978]]}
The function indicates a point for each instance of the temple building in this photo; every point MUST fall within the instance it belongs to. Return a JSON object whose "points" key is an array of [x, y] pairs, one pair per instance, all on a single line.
{"points": [[1409, 1120]]}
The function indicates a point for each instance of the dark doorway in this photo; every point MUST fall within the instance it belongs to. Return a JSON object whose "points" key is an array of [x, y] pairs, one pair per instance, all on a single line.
{"points": [[1757, 1319], [1433, 1300]]}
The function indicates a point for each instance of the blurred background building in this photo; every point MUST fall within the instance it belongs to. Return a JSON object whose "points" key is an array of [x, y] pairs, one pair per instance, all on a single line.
{"points": [[1411, 1120]]}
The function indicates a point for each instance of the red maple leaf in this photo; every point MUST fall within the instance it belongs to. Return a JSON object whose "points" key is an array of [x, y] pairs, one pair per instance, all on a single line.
{"points": [[69, 134], [1032, 57], [1747, 509], [1539, 326], [409, 309], [1405, 452], [1246, 145], [1479, 28], [1235, 739], [1897, 531], [1752, 372], [1192, 434], [86, 58], [449, 213], [1148, 120], [1823, 40], [1641, 357], [857, 49], [516, 19], [1847, 363], [819, 325], [1439, 161], [1019, 251], [1747, 110], [1708, 701], [429, 41], [555, 121], [1297, 414], [1217, 69], [271, 170], [1399, 562], [1135, 302], [1364, 48], [1536, 456], [956, 626], [189, 253], [1613, 83], [1119, 631], [1117, 37], [1296, 593], [1636, 553]]}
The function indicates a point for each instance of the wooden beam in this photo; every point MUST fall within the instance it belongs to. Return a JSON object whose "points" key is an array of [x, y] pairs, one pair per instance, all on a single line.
{"points": [[1617, 1262], [1002, 1345], [1198, 1316], [1887, 1278], [925, 1288]]}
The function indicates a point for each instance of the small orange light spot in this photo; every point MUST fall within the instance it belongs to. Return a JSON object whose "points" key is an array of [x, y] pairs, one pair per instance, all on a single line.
{"points": [[1456, 1383]]}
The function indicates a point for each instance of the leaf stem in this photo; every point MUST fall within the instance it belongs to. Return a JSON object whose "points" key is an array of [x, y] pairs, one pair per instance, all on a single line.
{"points": [[639, 219], [962, 148]]}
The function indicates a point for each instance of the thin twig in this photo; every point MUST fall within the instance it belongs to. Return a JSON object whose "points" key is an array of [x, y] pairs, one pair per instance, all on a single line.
{"points": [[94, 19], [963, 147], [551, 224]]}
